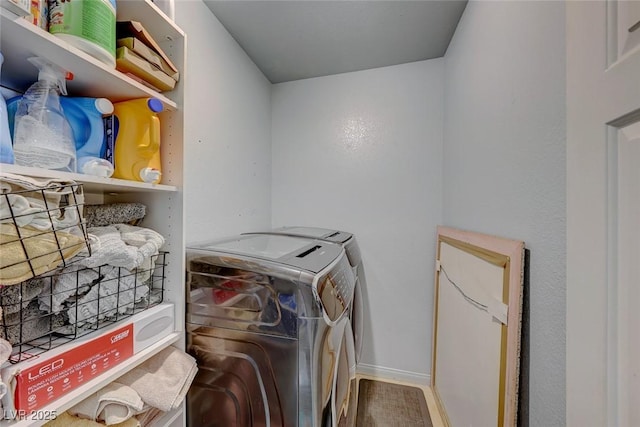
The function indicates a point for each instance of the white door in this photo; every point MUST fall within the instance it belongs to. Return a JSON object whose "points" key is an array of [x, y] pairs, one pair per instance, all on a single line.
{"points": [[603, 213]]}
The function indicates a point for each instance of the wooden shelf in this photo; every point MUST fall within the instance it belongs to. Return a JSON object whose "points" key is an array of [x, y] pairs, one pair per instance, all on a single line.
{"points": [[156, 22], [20, 40], [90, 183], [81, 393]]}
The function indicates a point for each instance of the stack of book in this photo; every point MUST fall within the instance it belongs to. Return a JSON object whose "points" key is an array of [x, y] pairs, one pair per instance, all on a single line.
{"points": [[139, 56]]}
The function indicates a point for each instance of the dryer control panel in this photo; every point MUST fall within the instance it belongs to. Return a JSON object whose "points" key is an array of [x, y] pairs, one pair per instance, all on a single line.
{"points": [[335, 289]]}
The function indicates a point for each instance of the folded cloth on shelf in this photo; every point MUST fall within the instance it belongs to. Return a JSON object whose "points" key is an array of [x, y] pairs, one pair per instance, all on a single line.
{"points": [[123, 246], [25, 252], [146, 240], [163, 380], [14, 298], [110, 249], [65, 419], [5, 352], [149, 415], [116, 292], [114, 213], [112, 404]]}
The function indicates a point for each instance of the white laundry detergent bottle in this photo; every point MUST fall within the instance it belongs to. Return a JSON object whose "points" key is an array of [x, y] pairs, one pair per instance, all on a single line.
{"points": [[85, 117], [42, 135]]}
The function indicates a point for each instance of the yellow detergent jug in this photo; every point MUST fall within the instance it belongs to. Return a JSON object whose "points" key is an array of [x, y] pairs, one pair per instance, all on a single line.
{"points": [[136, 151]]}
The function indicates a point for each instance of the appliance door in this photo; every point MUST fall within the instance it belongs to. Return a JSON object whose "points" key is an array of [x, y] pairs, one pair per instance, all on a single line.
{"points": [[344, 395], [357, 313], [244, 379]]}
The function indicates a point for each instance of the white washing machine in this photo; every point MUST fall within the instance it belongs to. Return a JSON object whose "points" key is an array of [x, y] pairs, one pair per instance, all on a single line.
{"points": [[267, 321]]}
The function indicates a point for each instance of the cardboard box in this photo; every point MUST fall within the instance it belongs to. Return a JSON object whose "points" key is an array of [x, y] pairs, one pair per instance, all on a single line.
{"points": [[135, 29], [48, 376], [144, 51], [129, 62]]}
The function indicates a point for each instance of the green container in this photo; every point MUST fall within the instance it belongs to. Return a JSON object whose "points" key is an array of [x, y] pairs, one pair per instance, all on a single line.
{"points": [[89, 25]]}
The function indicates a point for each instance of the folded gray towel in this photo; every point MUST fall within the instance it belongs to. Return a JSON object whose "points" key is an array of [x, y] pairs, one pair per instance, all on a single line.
{"points": [[28, 324], [114, 213], [15, 297]]}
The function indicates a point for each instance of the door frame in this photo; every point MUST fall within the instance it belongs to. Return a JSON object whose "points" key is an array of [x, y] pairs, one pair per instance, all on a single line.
{"points": [[601, 98]]}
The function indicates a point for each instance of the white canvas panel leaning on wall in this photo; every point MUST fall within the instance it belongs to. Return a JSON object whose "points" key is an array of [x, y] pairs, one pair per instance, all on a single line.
{"points": [[477, 316]]}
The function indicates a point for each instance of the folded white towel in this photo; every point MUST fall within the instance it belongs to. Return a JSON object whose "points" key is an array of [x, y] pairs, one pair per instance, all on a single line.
{"points": [[146, 240], [124, 246], [163, 380], [112, 250], [111, 404]]}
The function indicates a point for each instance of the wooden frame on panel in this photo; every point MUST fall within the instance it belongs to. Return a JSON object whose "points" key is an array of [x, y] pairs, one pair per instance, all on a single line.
{"points": [[477, 322]]}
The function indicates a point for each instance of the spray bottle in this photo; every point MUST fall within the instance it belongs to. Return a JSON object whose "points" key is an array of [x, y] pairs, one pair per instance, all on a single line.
{"points": [[42, 135]]}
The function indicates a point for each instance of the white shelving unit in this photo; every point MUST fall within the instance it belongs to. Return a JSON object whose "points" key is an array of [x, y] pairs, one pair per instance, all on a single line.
{"points": [[20, 40]]}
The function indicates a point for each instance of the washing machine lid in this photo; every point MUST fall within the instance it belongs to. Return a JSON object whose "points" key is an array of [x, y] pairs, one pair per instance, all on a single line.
{"points": [[306, 254], [316, 233]]}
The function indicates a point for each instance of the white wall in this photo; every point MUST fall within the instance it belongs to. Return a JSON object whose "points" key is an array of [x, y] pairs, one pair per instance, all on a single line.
{"points": [[504, 162], [362, 152], [228, 131]]}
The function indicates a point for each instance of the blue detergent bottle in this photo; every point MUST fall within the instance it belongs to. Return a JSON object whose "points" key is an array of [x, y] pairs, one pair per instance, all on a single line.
{"points": [[6, 146], [85, 116]]}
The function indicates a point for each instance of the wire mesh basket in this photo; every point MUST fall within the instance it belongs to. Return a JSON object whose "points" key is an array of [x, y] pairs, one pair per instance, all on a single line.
{"points": [[53, 309], [47, 296], [40, 229]]}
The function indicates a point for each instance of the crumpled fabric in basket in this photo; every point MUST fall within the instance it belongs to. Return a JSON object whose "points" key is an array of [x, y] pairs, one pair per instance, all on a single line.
{"points": [[26, 251], [116, 293], [71, 281], [39, 225], [44, 204]]}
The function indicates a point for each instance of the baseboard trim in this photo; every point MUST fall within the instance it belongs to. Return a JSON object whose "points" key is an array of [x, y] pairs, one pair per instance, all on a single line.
{"points": [[393, 374]]}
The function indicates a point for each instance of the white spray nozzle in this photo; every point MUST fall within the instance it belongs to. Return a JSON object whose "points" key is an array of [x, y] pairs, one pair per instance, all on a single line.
{"points": [[52, 72]]}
